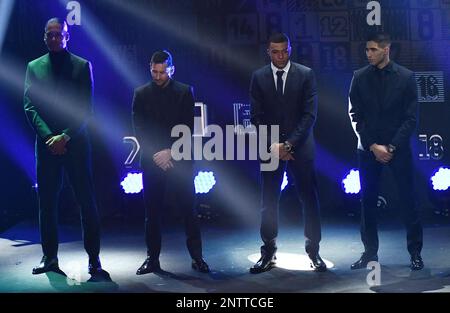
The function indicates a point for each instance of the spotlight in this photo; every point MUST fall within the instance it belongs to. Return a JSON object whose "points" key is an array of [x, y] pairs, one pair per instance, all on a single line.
{"points": [[441, 179], [204, 182], [6, 8], [439, 191], [132, 183], [291, 261], [351, 187], [285, 181], [351, 183]]}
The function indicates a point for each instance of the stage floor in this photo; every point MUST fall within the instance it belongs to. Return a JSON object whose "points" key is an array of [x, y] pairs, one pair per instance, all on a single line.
{"points": [[230, 251]]}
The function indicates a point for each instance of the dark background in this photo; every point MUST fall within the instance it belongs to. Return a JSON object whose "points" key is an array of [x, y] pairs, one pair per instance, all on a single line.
{"points": [[216, 45]]}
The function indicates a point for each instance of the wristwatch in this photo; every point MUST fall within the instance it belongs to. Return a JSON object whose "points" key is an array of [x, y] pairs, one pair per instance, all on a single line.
{"points": [[288, 146], [391, 148]]}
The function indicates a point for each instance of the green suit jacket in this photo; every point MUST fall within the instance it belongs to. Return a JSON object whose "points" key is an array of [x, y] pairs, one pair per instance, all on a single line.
{"points": [[59, 101]]}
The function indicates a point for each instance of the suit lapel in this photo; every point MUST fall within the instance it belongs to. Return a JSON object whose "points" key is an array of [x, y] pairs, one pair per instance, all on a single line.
{"points": [[270, 83], [391, 84], [291, 79], [45, 67]]}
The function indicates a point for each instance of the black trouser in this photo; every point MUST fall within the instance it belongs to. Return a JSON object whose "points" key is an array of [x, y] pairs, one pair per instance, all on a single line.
{"points": [[50, 170], [155, 182], [304, 175], [370, 173]]}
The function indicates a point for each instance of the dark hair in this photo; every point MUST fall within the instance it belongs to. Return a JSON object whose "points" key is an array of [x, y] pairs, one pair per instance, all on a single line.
{"points": [[279, 38], [162, 56], [57, 20], [382, 39]]}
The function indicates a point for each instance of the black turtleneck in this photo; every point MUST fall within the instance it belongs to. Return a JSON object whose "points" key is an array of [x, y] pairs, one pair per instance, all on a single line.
{"points": [[57, 60], [164, 96], [381, 78]]}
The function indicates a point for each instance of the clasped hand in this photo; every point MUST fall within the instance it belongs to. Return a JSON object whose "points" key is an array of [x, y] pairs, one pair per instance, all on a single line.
{"points": [[57, 144], [381, 153], [163, 159], [278, 151]]}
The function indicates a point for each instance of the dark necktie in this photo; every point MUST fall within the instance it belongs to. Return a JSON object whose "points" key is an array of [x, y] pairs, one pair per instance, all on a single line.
{"points": [[280, 83]]}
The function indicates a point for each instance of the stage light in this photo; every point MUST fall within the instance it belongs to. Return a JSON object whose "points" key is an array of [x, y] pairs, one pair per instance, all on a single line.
{"points": [[109, 46], [20, 150], [351, 183], [285, 181], [439, 191], [132, 183], [6, 7], [291, 261], [441, 179], [204, 182]]}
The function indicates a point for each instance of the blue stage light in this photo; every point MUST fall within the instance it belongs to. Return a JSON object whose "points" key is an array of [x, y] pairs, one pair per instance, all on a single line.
{"points": [[351, 183], [6, 8], [204, 182], [285, 181], [132, 183], [441, 179]]}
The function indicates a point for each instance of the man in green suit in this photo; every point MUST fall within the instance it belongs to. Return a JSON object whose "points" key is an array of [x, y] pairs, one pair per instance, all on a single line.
{"points": [[57, 103]]}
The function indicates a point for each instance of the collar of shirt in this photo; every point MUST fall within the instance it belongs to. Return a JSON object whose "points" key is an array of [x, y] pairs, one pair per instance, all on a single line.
{"points": [[276, 69], [388, 68], [161, 89], [58, 58]]}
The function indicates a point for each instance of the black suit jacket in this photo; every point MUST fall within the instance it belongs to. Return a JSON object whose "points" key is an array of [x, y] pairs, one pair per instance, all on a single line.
{"points": [[153, 121], [59, 103], [391, 120], [295, 112]]}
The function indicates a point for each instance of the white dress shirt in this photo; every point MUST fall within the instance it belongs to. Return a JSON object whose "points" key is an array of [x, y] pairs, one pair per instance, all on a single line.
{"points": [[284, 77]]}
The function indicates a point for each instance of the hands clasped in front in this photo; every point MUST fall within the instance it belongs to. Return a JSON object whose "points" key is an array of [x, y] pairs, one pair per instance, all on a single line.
{"points": [[279, 151], [381, 153], [163, 159], [57, 144]]}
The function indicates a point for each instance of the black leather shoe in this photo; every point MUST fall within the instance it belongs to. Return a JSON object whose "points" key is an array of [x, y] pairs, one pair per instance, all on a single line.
{"points": [[317, 264], [47, 264], [264, 264], [94, 266], [200, 266], [416, 262], [148, 266], [363, 261]]}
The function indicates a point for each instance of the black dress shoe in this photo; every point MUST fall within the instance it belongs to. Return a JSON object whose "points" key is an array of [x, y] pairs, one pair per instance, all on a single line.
{"points": [[149, 266], [200, 265], [47, 264], [317, 264], [416, 262], [264, 264], [94, 266], [363, 261]]}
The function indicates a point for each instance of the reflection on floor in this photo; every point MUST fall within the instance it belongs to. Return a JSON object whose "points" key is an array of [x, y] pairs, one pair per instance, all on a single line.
{"points": [[230, 251]]}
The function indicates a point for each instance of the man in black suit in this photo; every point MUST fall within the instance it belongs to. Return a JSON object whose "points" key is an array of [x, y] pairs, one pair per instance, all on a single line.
{"points": [[58, 105], [383, 111], [284, 93], [159, 106]]}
